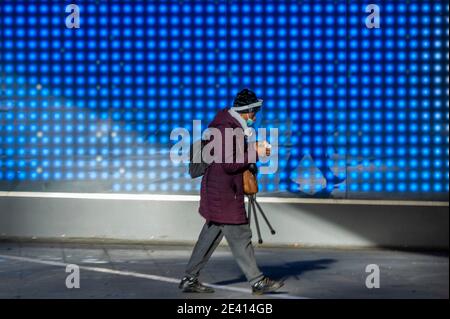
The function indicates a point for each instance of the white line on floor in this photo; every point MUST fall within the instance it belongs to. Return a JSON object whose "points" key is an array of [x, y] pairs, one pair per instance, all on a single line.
{"points": [[140, 275], [196, 198]]}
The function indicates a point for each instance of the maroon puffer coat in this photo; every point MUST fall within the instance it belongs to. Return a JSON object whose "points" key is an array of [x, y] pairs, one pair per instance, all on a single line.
{"points": [[222, 194]]}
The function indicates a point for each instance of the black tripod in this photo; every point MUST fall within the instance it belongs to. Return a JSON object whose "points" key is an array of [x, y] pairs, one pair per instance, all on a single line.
{"points": [[252, 205]]}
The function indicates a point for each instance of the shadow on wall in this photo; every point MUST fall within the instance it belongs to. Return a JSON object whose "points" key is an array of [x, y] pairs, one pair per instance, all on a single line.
{"points": [[409, 227]]}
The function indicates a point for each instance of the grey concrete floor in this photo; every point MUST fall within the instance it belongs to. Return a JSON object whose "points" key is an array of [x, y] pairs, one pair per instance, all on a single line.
{"points": [[38, 270]]}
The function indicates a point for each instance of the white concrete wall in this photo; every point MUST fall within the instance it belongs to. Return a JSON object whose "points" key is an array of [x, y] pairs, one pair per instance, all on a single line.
{"points": [[342, 225]]}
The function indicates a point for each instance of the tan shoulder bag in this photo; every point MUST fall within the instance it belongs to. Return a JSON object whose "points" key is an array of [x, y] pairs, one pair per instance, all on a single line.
{"points": [[250, 183]]}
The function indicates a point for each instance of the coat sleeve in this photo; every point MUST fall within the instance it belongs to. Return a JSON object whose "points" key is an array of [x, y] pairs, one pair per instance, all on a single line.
{"points": [[238, 160]]}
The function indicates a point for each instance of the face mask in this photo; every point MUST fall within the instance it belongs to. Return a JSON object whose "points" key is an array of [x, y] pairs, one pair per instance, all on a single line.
{"points": [[250, 122]]}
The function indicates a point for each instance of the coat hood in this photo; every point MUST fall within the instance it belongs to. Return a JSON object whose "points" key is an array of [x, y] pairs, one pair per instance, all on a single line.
{"points": [[224, 119]]}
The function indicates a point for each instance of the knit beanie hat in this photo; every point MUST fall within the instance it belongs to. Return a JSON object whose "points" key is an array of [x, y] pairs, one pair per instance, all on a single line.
{"points": [[246, 102]]}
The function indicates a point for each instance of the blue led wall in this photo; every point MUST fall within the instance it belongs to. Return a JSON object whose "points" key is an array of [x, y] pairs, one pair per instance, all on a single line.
{"points": [[91, 109]]}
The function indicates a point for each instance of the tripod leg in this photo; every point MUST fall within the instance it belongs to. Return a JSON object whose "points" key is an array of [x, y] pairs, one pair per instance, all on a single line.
{"points": [[249, 209], [256, 221], [272, 231]]}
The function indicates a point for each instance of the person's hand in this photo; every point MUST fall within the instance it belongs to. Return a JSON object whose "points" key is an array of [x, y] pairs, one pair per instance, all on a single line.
{"points": [[263, 148]]}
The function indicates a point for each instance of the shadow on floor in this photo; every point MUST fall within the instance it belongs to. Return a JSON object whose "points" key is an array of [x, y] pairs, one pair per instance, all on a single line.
{"points": [[286, 271]]}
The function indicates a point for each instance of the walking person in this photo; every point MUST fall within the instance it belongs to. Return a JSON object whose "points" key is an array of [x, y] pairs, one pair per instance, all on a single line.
{"points": [[222, 203]]}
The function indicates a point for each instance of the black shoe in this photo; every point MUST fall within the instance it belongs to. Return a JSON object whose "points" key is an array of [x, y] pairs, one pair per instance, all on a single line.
{"points": [[189, 284], [266, 285]]}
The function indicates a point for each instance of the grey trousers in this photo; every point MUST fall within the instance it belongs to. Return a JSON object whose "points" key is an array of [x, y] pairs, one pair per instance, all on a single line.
{"points": [[239, 238]]}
